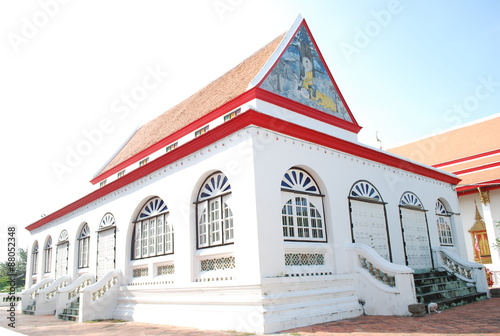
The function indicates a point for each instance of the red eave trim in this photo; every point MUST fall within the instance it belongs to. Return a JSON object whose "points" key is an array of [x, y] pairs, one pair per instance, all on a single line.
{"points": [[467, 158], [306, 110], [476, 169], [332, 142], [190, 128], [471, 189], [250, 117], [254, 93]]}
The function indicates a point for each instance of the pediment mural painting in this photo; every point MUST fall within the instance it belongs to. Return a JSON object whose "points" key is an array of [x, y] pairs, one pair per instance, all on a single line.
{"points": [[300, 75]]}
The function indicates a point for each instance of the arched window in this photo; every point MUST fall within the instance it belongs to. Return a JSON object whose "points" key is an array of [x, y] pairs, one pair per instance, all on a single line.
{"points": [[302, 212], [443, 224], [368, 218], [62, 254], [106, 242], [83, 247], [34, 258], [215, 218], [47, 255], [153, 231]]}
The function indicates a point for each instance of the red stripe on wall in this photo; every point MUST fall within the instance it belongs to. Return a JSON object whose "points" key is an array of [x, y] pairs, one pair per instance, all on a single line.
{"points": [[248, 118]]}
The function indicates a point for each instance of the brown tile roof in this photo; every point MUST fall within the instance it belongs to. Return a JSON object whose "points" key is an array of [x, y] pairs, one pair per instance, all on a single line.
{"points": [[458, 143], [471, 152], [222, 90]]}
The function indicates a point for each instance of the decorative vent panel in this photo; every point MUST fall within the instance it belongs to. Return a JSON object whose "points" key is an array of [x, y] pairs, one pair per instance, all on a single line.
{"points": [[304, 259]]}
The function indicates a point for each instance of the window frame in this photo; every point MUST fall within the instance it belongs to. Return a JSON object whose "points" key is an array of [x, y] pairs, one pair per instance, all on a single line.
{"points": [[47, 256], [145, 239], [84, 247], [34, 259], [443, 219], [213, 211], [298, 185]]}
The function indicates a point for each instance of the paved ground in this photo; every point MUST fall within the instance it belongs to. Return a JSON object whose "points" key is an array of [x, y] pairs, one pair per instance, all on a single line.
{"points": [[479, 318]]}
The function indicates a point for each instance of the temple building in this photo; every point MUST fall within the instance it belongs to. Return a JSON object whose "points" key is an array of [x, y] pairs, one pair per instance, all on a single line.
{"points": [[252, 206], [472, 153]]}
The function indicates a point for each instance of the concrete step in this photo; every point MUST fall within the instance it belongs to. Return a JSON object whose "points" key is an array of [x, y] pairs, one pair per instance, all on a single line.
{"points": [[68, 317]]}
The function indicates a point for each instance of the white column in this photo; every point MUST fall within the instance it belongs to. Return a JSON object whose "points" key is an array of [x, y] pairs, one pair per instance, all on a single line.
{"points": [[490, 226]]}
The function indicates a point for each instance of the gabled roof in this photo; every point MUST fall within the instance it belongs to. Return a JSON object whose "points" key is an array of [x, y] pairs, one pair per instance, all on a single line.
{"points": [[290, 67], [225, 88], [472, 152]]}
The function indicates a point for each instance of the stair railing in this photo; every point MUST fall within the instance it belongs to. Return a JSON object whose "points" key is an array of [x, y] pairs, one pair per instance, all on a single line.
{"points": [[46, 298], [99, 300], [28, 296], [379, 280], [71, 292], [471, 272]]}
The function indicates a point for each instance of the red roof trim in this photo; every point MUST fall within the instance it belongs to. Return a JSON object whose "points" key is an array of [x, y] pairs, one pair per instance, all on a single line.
{"points": [[304, 23], [306, 110], [190, 128], [476, 169], [472, 189], [226, 108], [467, 158], [250, 117]]}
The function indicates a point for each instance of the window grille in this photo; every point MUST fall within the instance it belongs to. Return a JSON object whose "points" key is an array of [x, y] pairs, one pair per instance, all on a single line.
{"points": [[140, 272], [166, 270], [218, 264], [304, 259]]}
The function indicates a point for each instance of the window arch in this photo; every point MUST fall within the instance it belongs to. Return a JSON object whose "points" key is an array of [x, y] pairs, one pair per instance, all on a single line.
{"points": [[107, 221], [34, 258], [153, 231], [47, 255], [302, 212], [365, 190], [368, 218], [443, 223], [409, 199], [215, 218], [83, 247]]}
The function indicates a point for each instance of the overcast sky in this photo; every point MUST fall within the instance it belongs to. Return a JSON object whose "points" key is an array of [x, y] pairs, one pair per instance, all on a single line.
{"points": [[407, 69]]}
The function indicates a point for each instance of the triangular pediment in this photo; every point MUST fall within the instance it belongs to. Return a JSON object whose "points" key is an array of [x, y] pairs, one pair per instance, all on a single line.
{"points": [[301, 74]]}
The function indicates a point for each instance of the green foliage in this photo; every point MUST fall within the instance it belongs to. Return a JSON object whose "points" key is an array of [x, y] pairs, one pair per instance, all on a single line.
{"points": [[20, 272]]}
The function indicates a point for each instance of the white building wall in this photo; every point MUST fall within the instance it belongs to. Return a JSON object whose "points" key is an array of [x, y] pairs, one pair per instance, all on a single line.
{"points": [[254, 160], [335, 173]]}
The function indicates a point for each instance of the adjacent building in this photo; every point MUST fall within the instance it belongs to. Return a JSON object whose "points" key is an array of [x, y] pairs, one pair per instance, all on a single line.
{"points": [[472, 153]]}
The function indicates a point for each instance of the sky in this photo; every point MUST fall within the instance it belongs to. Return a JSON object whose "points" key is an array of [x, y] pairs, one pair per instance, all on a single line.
{"points": [[406, 68]]}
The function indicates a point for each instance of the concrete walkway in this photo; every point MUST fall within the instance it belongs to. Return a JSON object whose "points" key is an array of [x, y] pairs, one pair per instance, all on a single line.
{"points": [[479, 318]]}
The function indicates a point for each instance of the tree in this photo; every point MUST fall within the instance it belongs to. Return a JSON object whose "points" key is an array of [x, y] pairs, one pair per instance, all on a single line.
{"points": [[20, 272]]}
